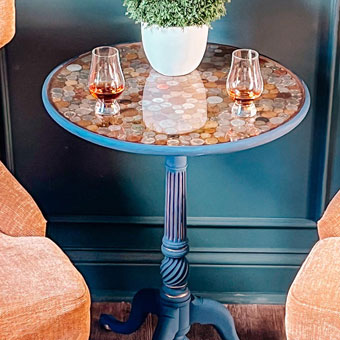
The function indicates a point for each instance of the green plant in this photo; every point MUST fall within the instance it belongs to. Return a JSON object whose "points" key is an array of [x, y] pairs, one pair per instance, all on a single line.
{"points": [[175, 13]]}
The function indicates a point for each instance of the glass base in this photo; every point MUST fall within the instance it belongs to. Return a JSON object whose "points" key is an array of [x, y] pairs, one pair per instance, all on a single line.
{"points": [[107, 108], [242, 110]]}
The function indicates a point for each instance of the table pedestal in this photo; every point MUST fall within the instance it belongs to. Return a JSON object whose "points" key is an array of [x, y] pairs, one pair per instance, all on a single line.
{"points": [[174, 305]]}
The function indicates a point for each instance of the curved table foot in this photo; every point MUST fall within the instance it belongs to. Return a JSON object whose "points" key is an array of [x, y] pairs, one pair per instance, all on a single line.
{"points": [[206, 311], [166, 328], [144, 302]]}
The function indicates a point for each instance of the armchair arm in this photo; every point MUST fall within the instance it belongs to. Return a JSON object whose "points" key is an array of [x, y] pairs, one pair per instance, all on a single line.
{"points": [[19, 214], [7, 21], [329, 224]]}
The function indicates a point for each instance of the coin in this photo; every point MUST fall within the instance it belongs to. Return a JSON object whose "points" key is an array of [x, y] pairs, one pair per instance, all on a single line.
{"points": [[162, 86], [237, 122], [74, 67], [158, 100], [92, 128], [114, 127], [210, 124], [161, 137], [205, 135], [276, 120], [173, 142], [214, 100], [211, 140], [197, 141]]}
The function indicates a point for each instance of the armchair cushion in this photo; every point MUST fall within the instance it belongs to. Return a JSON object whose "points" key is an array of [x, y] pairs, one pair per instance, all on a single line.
{"points": [[329, 224], [313, 303], [42, 296], [19, 214], [7, 21]]}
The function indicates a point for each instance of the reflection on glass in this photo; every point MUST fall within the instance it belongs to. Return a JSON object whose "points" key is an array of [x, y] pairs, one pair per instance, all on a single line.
{"points": [[174, 105], [106, 79], [244, 82]]}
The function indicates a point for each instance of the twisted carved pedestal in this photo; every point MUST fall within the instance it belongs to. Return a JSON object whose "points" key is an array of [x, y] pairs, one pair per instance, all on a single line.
{"points": [[174, 305]]}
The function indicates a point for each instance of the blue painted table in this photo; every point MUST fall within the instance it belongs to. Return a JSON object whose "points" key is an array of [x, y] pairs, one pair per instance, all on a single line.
{"points": [[175, 117]]}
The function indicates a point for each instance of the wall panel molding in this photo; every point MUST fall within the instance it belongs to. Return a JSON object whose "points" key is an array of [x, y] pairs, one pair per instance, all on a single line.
{"points": [[327, 65], [120, 254], [212, 221], [6, 127]]}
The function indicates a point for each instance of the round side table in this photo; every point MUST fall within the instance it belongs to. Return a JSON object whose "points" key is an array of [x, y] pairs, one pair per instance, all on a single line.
{"points": [[175, 117]]}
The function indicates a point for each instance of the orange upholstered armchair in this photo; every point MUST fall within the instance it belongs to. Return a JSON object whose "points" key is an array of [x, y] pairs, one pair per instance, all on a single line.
{"points": [[42, 295], [7, 21], [313, 303]]}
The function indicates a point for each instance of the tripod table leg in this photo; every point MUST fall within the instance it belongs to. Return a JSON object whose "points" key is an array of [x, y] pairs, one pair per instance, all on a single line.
{"points": [[206, 311]]}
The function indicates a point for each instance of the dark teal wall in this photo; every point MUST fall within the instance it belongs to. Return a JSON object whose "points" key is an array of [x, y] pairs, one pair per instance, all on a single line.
{"points": [[252, 213]]}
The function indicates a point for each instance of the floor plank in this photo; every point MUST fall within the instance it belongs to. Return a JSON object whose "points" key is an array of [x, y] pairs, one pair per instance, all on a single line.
{"points": [[253, 322]]}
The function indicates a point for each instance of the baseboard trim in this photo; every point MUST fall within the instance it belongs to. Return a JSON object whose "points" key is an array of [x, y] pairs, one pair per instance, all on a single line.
{"points": [[224, 297], [233, 257], [224, 222]]}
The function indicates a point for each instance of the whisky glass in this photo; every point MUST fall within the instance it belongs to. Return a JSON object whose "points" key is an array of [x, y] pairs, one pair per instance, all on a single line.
{"points": [[106, 80], [244, 82]]}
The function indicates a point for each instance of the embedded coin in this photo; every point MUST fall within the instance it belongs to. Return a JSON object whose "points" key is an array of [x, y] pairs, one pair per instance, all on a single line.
{"points": [[207, 74], [172, 83], [292, 107], [69, 114], [161, 137], [166, 104], [68, 88], [205, 135], [167, 123], [114, 127], [219, 134], [133, 138], [211, 140], [237, 122], [214, 100], [148, 140], [188, 106], [162, 86], [210, 124], [184, 138], [192, 100], [154, 108], [74, 67], [276, 120], [149, 134], [92, 128], [158, 100], [75, 119], [185, 142], [170, 131], [173, 142], [212, 78], [197, 141], [264, 128], [69, 93]]}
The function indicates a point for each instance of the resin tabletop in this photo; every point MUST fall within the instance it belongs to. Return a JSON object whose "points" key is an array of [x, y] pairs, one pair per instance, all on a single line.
{"points": [[188, 115], [175, 117]]}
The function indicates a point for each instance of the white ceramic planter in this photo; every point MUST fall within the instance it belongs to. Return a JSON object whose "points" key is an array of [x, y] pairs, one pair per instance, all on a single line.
{"points": [[174, 51]]}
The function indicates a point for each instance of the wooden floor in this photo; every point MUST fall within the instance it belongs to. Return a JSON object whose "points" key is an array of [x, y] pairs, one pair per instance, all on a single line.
{"points": [[253, 322]]}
